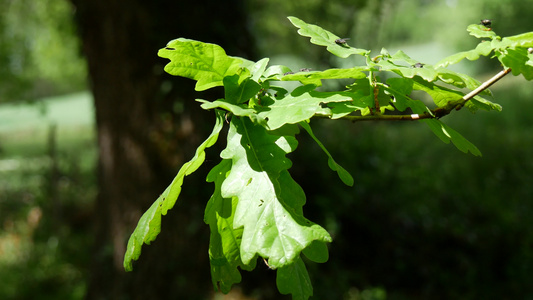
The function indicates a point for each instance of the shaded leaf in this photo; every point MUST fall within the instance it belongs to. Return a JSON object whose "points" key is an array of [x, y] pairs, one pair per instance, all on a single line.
{"points": [[400, 88], [481, 103], [225, 240], [239, 89], [293, 279], [447, 134], [317, 252], [363, 94], [149, 225], [441, 96], [517, 60]]}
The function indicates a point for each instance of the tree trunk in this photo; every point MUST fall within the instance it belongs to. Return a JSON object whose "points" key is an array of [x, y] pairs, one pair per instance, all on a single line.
{"points": [[148, 125]]}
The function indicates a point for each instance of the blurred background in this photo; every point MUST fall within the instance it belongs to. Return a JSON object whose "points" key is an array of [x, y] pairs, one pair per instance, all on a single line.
{"points": [[92, 131]]}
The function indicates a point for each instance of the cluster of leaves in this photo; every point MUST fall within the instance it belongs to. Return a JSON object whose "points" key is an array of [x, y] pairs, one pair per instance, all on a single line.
{"points": [[256, 207]]}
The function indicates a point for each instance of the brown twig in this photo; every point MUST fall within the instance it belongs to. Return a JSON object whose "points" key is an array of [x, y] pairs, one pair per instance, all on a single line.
{"points": [[435, 113]]}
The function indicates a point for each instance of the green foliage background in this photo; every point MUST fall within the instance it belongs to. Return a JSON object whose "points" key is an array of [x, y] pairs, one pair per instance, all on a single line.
{"points": [[39, 50], [422, 219]]}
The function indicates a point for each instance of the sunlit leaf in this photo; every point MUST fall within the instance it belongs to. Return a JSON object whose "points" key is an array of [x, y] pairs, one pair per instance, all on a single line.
{"points": [[276, 72], [481, 31], [402, 56], [270, 202], [482, 49], [236, 109], [305, 77], [149, 225], [428, 74], [524, 40], [206, 63], [323, 37], [259, 68], [302, 104]]}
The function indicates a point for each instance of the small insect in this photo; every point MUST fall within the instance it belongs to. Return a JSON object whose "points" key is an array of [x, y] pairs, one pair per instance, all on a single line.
{"points": [[288, 73], [305, 70], [418, 65], [486, 22], [341, 42]]}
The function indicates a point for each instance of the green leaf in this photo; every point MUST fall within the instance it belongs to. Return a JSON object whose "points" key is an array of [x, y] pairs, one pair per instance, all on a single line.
{"points": [[363, 94], [206, 63], [317, 252], [302, 104], [481, 103], [441, 96], [259, 68], [313, 76], [481, 31], [401, 56], [294, 279], [447, 134], [323, 37], [517, 60], [524, 40], [399, 88], [270, 202], [341, 109], [276, 72], [224, 242], [482, 49], [237, 109], [459, 79], [429, 74], [239, 89], [149, 225], [343, 174]]}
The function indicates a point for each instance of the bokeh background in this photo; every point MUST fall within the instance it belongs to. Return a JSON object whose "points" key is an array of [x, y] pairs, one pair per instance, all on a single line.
{"points": [[92, 130]]}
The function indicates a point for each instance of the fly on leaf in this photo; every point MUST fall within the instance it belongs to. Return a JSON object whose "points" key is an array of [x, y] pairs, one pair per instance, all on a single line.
{"points": [[487, 23], [341, 42]]}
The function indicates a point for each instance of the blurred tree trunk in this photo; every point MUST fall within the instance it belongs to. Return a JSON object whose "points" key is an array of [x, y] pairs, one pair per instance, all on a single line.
{"points": [[148, 125]]}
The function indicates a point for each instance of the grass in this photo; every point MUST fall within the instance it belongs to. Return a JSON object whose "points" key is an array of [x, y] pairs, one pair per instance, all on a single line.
{"points": [[25, 127]]}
